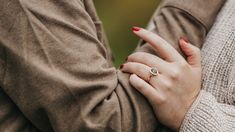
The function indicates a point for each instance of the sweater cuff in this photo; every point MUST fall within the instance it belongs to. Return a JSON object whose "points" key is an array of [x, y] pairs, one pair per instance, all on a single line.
{"points": [[201, 115]]}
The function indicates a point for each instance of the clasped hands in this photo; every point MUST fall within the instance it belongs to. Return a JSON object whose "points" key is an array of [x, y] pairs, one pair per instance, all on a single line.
{"points": [[172, 92]]}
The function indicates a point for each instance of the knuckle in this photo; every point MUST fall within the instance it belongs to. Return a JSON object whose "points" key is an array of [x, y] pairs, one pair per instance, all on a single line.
{"points": [[175, 74], [197, 50], [139, 69], [140, 86], [182, 66], [136, 55], [133, 78], [168, 85], [143, 57], [162, 99]]}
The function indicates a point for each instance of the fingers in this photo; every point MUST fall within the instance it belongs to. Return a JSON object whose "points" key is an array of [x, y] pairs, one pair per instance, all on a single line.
{"points": [[163, 48], [149, 60], [143, 71], [152, 94], [192, 52], [137, 68]]}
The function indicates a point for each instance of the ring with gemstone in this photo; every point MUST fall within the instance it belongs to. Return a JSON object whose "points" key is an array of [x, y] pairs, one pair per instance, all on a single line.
{"points": [[154, 71]]}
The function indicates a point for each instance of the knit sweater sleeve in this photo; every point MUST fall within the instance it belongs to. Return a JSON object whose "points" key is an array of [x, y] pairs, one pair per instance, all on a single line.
{"points": [[206, 114]]}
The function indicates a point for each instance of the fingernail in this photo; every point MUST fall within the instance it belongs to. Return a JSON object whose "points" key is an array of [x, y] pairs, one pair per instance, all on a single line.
{"points": [[121, 66], [184, 39], [136, 29]]}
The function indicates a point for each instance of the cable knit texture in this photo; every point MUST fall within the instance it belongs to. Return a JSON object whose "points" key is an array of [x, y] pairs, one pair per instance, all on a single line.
{"points": [[214, 109]]}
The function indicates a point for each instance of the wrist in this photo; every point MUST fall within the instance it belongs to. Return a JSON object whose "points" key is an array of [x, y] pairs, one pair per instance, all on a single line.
{"points": [[183, 111]]}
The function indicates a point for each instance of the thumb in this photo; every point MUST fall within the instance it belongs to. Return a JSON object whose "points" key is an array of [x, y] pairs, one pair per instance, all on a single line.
{"points": [[192, 52]]}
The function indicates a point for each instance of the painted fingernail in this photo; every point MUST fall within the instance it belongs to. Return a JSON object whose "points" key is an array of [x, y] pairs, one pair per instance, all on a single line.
{"points": [[121, 66], [184, 39], [136, 29]]}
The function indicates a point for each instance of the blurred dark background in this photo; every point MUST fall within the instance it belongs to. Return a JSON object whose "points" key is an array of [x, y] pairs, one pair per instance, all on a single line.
{"points": [[118, 17]]}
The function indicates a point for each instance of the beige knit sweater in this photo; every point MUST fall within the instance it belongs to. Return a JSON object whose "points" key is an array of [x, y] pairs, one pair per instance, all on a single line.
{"points": [[214, 109]]}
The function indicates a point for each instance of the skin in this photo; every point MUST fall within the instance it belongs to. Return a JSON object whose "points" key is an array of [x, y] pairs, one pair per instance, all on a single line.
{"points": [[178, 83]]}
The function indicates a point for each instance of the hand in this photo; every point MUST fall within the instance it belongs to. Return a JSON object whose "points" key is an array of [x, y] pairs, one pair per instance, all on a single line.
{"points": [[175, 88]]}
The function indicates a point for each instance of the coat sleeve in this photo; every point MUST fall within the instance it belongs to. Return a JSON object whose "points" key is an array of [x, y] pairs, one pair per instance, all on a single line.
{"points": [[57, 70], [183, 18]]}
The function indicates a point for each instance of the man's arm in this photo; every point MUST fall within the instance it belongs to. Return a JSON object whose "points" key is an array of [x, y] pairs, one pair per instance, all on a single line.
{"points": [[191, 19], [56, 69]]}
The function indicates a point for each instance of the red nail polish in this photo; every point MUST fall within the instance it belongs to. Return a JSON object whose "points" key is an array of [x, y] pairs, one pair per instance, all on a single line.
{"points": [[184, 39], [136, 29], [121, 66]]}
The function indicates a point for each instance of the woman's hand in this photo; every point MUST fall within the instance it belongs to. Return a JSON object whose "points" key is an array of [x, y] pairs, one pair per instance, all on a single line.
{"points": [[174, 89]]}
